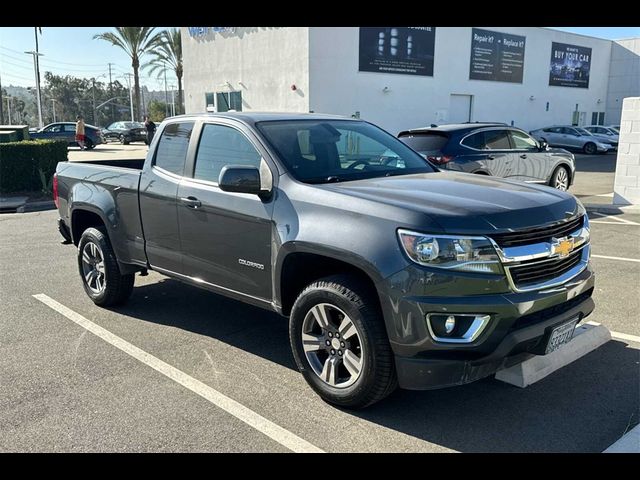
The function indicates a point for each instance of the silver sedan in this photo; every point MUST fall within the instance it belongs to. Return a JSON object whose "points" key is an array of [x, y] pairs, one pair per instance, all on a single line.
{"points": [[572, 137]]}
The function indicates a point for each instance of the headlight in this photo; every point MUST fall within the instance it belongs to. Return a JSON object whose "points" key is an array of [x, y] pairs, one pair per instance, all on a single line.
{"points": [[466, 254]]}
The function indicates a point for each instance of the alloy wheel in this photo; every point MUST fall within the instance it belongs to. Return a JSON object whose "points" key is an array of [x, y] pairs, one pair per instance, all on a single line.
{"points": [[561, 180], [332, 345], [93, 267]]}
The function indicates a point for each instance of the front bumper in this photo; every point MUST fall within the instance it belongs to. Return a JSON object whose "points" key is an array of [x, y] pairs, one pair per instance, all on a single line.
{"points": [[605, 149], [519, 325]]}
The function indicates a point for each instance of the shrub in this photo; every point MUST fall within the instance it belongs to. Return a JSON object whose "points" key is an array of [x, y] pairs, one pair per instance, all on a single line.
{"points": [[24, 164]]}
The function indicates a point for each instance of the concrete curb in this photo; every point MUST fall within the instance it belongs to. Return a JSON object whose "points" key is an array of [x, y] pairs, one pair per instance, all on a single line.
{"points": [[585, 339], [629, 443], [36, 207], [604, 208]]}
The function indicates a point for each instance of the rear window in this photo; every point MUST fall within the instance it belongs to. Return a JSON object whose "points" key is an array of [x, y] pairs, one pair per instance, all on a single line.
{"points": [[426, 143], [172, 148]]}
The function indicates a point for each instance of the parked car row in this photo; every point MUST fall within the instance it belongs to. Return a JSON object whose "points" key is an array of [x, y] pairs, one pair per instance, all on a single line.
{"points": [[126, 132], [590, 140]]}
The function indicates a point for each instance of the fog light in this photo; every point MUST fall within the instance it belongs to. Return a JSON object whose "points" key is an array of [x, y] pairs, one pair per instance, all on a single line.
{"points": [[450, 324], [456, 327]]}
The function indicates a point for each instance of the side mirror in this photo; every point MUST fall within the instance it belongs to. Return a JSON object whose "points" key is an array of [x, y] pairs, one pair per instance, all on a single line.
{"points": [[244, 179], [543, 145]]}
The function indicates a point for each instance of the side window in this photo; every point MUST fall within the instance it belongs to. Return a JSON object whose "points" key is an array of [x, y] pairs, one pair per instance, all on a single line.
{"points": [[497, 140], [172, 148], [474, 141], [522, 141], [220, 146], [70, 128]]}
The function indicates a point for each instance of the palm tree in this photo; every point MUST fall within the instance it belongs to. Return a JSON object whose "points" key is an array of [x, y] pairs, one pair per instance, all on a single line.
{"points": [[135, 41], [167, 55]]}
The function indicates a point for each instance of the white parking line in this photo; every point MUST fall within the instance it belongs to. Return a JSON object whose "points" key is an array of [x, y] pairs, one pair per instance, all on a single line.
{"points": [[623, 259], [618, 335], [248, 416], [618, 220]]}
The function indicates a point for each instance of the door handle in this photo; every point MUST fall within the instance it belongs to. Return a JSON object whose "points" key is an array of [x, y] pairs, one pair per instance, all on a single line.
{"points": [[491, 157], [524, 155], [191, 202]]}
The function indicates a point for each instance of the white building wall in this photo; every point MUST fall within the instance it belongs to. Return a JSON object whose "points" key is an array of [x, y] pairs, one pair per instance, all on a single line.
{"points": [[624, 77], [337, 87], [627, 180], [261, 62]]}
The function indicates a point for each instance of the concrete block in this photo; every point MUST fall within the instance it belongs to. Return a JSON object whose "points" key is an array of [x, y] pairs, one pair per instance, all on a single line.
{"points": [[633, 170], [626, 181], [629, 443], [633, 148], [585, 339], [628, 159], [12, 203], [635, 125], [625, 127]]}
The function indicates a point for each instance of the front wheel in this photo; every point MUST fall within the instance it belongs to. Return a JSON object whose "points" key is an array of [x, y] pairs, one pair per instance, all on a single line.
{"points": [[124, 140], [560, 179], [101, 277], [340, 344], [590, 148]]}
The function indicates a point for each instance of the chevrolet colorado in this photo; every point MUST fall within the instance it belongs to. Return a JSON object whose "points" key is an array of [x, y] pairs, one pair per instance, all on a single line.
{"points": [[390, 271]]}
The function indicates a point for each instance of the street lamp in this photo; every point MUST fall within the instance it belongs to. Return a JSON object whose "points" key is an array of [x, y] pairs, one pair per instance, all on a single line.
{"points": [[8, 97], [127, 76], [93, 89]]}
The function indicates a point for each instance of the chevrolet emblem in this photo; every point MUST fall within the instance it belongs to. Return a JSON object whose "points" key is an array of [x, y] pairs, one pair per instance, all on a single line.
{"points": [[562, 246]]}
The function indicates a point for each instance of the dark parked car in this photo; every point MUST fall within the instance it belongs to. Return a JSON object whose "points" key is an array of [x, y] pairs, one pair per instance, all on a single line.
{"points": [[391, 271], [493, 149], [67, 131], [126, 132]]}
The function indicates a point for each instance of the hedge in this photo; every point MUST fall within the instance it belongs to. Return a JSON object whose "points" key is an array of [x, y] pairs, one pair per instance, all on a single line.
{"points": [[21, 162]]}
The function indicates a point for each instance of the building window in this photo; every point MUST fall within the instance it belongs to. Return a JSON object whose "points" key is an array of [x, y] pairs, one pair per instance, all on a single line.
{"points": [[226, 101], [601, 118], [209, 99]]}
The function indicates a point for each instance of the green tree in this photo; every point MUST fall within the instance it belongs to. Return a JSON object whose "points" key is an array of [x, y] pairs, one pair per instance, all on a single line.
{"points": [[157, 110], [136, 42], [167, 56]]}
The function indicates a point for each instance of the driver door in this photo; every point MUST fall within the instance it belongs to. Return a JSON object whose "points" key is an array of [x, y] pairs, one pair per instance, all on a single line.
{"points": [[529, 163]]}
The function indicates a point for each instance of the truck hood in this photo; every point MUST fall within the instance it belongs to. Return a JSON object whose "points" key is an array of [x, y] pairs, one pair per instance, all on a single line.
{"points": [[467, 203]]}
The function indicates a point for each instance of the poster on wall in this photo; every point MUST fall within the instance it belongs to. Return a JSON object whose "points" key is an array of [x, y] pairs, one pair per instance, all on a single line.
{"points": [[496, 56], [570, 65], [404, 50]]}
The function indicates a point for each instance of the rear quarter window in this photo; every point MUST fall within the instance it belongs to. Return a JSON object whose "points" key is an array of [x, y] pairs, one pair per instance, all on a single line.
{"points": [[426, 142], [171, 152]]}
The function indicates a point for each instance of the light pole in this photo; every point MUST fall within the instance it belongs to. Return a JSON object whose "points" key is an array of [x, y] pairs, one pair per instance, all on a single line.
{"points": [[93, 89], [9, 107], [37, 73], [53, 107], [128, 77], [166, 99], [173, 102]]}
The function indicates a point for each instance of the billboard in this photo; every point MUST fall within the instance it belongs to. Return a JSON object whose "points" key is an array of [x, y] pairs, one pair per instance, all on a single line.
{"points": [[496, 56], [403, 50], [570, 65]]}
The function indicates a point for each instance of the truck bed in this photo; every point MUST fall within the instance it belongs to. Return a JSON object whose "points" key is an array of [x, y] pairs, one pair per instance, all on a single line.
{"points": [[133, 163]]}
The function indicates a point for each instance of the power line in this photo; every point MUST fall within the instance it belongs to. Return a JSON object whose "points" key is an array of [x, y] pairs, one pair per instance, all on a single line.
{"points": [[57, 61], [4, 62]]}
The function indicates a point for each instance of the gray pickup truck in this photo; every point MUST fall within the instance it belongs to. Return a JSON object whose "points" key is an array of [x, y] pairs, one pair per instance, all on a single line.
{"points": [[390, 271]]}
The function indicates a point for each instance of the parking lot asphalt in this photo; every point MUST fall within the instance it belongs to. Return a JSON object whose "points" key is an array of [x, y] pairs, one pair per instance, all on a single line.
{"points": [[65, 389], [594, 178]]}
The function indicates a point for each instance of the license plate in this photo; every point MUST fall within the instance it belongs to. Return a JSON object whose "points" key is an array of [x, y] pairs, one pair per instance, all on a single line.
{"points": [[561, 335]]}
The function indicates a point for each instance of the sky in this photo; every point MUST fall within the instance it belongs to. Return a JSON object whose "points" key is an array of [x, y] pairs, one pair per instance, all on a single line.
{"points": [[72, 51], [67, 51]]}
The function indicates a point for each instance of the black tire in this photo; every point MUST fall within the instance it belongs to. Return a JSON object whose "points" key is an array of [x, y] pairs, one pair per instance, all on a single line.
{"points": [[88, 144], [117, 287], [557, 179], [590, 148], [124, 140], [377, 377]]}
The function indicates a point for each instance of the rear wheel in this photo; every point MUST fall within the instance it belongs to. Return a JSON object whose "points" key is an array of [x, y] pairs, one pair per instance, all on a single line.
{"points": [[101, 277], [560, 179], [88, 144], [340, 343], [590, 148], [124, 140]]}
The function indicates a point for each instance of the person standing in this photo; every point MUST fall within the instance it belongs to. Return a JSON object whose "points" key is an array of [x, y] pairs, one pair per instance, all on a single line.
{"points": [[151, 128], [80, 132]]}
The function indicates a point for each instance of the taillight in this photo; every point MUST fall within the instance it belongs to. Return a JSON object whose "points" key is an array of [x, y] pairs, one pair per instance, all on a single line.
{"points": [[440, 159], [55, 190]]}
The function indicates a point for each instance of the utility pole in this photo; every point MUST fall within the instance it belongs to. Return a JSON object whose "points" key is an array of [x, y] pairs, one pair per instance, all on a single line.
{"points": [[36, 69], [53, 107], [93, 89], [112, 119], [128, 75], [144, 108], [166, 99]]}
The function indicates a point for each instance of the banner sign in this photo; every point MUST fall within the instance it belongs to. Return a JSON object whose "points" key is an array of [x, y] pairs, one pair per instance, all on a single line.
{"points": [[496, 56], [570, 65], [400, 50]]}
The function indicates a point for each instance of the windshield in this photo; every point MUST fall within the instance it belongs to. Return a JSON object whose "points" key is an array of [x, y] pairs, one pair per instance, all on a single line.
{"points": [[133, 125], [324, 151]]}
